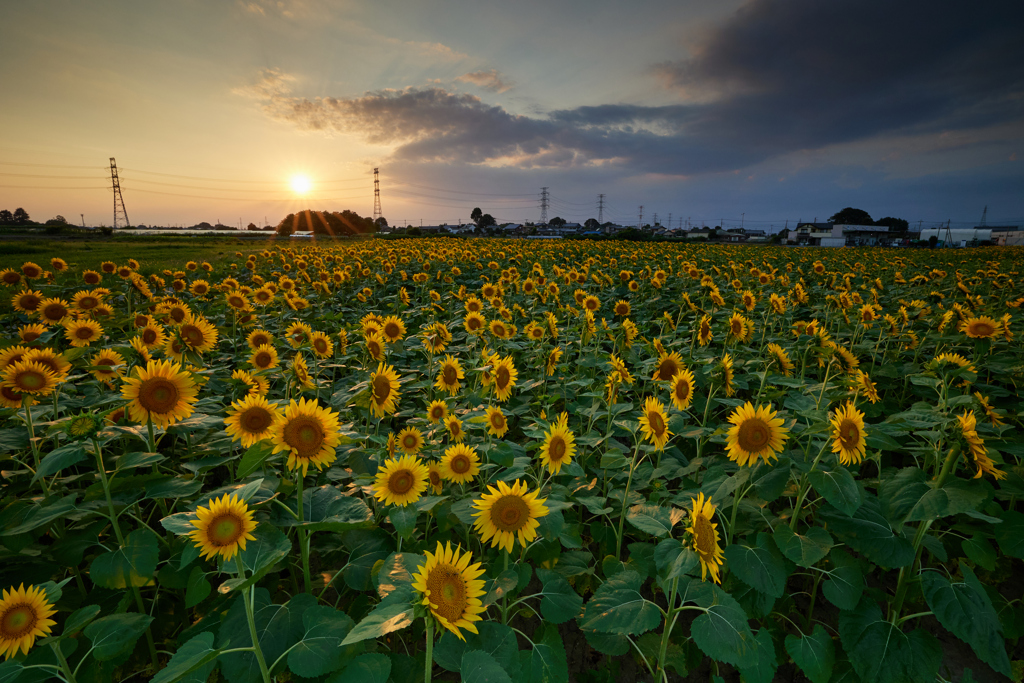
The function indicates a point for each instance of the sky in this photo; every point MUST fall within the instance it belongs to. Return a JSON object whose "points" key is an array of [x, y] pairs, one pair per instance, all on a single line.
{"points": [[756, 113]]}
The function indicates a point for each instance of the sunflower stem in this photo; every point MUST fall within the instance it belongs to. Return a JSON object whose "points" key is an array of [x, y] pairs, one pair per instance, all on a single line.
{"points": [[804, 488], [248, 599], [152, 435], [428, 665], [669, 623], [65, 668], [303, 537], [106, 491], [625, 500]]}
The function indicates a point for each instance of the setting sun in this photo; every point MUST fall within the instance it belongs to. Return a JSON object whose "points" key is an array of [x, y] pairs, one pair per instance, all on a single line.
{"points": [[301, 184]]}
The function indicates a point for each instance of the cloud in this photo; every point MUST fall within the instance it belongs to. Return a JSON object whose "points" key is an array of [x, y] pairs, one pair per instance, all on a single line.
{"points": [[488, 80], [778, 77]]}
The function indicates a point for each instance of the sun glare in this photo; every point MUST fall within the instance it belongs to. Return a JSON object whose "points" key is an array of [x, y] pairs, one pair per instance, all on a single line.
{"points": [[301, 184]]}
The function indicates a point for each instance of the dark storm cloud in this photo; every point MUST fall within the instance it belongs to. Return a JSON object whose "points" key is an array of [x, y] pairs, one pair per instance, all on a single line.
{"points": [[779, 76]]}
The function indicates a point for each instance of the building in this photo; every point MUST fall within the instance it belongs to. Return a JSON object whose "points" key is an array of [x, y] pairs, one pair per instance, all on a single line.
{"points": [[845, 235], [958, 237], [1007, 235]]}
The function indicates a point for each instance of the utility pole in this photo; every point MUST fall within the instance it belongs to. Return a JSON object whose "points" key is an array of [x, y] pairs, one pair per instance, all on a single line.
{"points": [[376, 195], [742, 217], [600, 208], [655, 217], [668, 223], [543, 206], [83, 219], [640, 221]]}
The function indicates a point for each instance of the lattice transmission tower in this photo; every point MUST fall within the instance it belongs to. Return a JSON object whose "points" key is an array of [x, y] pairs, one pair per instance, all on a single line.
{"points": [[600, 208], [119, 209], [377, 213], [543, 206]]}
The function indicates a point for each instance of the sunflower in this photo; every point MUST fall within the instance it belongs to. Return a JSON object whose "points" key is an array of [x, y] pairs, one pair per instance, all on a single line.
{"points": [[553, 357], [591, 303], [197, 333], [27, 301], [436, 337], [622, 308], [223, 528], [726, 365], [864, 383], [53, 310], [460, 463], [454, 427], [682, 389], [451, 588], [848, 434], [654, 423], [104, 363], [199, 287], [969, 429], [238, 301], [28, 377], [437, 411], [781, 359], [704, 331], [258, 338], [410, 440], [756, 433], [990, 412], [400, 482], [298, 334], [162, 393], [264, 357], [499, 329], [497, 424], [449, 375], [393, 329], [250, 419], [507, 512], [152, 336], [959, 361], [300, 373], [474, 322], [86, 301], [50, 359], [559, 445], [309, 434], [704, 535], [434, 478], [980, 328], [505, 375], [24, 616], [29, 333], [322, 344], [81, 333], [384, 394]]}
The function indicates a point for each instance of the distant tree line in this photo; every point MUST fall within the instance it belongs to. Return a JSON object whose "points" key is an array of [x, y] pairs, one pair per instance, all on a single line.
{"points": [[852, 216], [329, 223]]}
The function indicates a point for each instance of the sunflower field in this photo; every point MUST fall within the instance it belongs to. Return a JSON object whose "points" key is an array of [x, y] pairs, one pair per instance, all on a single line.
{"points": [[511, 460]]}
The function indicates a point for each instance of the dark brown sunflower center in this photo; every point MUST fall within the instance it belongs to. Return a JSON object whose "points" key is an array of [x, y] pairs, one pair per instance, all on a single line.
{"points": [[256, 420], [982, 328], [621, 309], [753, 434], [88, 302], [391, 330], [84, 333], [498, 421], [450, 375], [192, 335], [381, 389], [18, 621], [305, 434], [320, 345], [435, 478], [510, 513], [461, 464], [437, 413], [474, 306], [400, 481], [263, 359], [502, 377], [149, 336], [447, 591], [667, 369], [474, 323], [849, 434], [224, 530], [11, 278], [409, 442], [656, 422], [30, 302], [177, 314], [54, 311], [556, 451], [237, 302], [682, 391], [704, 535], [158, 395]]}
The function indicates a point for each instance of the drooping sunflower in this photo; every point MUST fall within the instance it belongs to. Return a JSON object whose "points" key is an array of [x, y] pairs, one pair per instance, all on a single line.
{"points": [[308, 433], [497, 424], [704, 331], [505, 375], [451, 588], [848, 434], [993, 417], [384, 394], [161, 392], [401, 482], [300, 373], [682, 389], [436, 337], [726, 365], [437, 411], [434, 478], [669, 364], [455, 431], [298, 334], [104, 364], [375, 345], [559, 445], [654, 423], [410, 440], [449, 375], [258, 338], [81, 333], [981, 327], [460, 463], [781, 359], [264, 357], [985, 465], [197, 333], [250, 419], [863, 383], [224, 527], [756, 433], [508, 512], [24, 616], [704, 534], [959, 361], [554, 356]]}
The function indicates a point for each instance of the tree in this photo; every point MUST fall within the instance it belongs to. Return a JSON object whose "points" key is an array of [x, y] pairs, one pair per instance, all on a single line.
{"points": [[251, 226], [932, 241], [557, 222], [592, 224], [486, 221], [57, 220], [6, 217], [476, 215], [852, 216], [381, 223], [21, 216], [894, 224]]}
